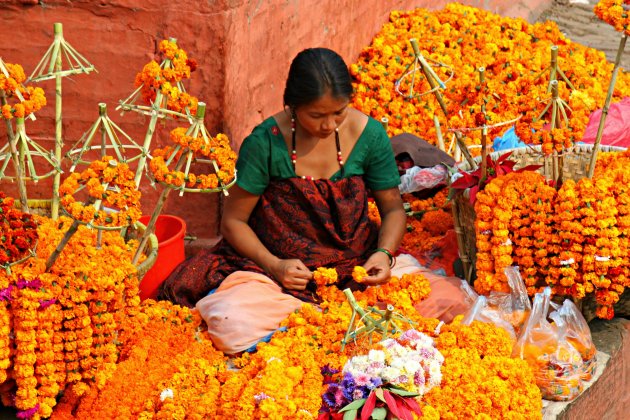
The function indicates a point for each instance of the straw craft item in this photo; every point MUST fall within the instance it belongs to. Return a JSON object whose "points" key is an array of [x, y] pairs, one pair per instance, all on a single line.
{"points": [[59, 61]]}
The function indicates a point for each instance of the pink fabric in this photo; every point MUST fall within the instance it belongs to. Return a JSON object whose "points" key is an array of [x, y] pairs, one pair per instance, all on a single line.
{"points": [[246, 307], [446, 300]]}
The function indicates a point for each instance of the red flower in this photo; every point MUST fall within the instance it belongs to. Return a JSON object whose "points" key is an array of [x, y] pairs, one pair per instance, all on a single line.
{"points": [[476, 181]]}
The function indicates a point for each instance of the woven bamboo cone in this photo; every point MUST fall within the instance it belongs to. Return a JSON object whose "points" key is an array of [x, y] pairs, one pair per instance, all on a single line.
{"points": [[201, 112]]}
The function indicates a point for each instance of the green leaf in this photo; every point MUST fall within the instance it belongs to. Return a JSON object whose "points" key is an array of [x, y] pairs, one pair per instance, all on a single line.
{"points": [[379, 394], [354, 405], [403, 393], [379, 413], [350, 415]]}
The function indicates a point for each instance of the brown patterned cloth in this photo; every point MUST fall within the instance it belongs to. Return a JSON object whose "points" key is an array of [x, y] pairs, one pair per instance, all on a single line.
{"points": [[321, 222]]}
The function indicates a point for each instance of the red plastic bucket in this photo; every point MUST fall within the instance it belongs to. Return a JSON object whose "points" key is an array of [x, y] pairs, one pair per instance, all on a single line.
{"points": [[170, 231]]}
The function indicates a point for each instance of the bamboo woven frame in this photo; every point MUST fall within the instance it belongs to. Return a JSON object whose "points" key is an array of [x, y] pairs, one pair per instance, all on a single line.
{"points": [[111, 138]]}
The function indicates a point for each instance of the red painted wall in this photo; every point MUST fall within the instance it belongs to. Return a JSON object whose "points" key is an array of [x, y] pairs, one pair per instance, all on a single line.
{"points": [[242, 47]]}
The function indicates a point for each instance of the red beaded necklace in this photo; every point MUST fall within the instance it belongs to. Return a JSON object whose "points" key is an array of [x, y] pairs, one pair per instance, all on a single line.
{"points": [[294, 153]]}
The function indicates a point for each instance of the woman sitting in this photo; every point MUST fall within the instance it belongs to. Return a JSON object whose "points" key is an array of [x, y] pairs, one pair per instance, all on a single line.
{"points": [[301, 202]]}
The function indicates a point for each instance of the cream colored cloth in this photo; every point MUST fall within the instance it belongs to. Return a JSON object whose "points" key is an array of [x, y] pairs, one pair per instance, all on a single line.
{"points": [[245, 307], [248, 306]]}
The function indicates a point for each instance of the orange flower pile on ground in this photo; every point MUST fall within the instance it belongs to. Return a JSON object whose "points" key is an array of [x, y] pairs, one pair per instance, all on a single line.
{"points": [[572, 239], [168, 368], [514, 54], [615, 14]]}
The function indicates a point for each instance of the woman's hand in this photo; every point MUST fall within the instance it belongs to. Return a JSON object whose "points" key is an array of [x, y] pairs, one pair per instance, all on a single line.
{"points": [[377, 267], [292, 274]]}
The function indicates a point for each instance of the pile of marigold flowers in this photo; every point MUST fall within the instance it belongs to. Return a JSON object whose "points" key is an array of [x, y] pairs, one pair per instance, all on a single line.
{"points": [[168, 367], [574, 239], [514, 55]]}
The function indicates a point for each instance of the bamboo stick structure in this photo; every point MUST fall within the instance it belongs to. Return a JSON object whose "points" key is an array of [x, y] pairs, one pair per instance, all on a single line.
{"points": [[22, 149], [111, 140], [157, 110], [419, 63], [602, 120], [373, 320], [185, 159], [554, 70], [59, 61]]}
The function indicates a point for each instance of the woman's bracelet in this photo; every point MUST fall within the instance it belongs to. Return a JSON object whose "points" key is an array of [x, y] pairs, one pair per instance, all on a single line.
{"points": [[392, 259]]}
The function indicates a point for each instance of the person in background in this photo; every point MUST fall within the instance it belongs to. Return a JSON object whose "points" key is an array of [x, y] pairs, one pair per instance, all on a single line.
{"points": [[301, 202]]}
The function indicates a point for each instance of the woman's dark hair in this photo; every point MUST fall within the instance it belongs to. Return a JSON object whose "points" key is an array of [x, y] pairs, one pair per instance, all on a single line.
{"points": [[313, 72]]}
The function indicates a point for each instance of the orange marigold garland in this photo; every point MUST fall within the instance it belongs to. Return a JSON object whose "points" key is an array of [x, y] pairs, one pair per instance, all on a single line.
{"points": [[567, 243], [216, 149], [108, 182], [167, 78]]}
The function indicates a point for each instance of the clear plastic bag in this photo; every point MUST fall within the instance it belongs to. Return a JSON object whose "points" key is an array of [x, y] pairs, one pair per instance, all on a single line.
{"points": [[578, 334], [520, 306], [480, 311], [417, 178], [543, 345]]}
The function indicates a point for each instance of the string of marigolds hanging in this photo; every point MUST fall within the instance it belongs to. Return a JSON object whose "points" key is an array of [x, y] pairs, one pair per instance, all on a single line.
{"points": [[573, 238], [112, 201], [193, 148], [60, 327]]}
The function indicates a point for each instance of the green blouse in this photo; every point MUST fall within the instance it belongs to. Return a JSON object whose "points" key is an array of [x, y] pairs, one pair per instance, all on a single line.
{"points": [[263, 157]]}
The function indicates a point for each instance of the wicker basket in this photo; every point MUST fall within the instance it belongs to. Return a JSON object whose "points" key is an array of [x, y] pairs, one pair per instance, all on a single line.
{"points": [[576, 161], [42, 207]]}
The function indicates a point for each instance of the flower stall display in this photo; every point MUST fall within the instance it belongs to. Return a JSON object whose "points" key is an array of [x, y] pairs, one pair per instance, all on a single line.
{"points": [[161, 93], [76, 342]]}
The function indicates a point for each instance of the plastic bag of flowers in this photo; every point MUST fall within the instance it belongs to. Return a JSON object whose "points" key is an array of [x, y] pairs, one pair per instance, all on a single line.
{"points": [[578, 334], [544, 346], [513, 307], [481, 311], [387, 382]]}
